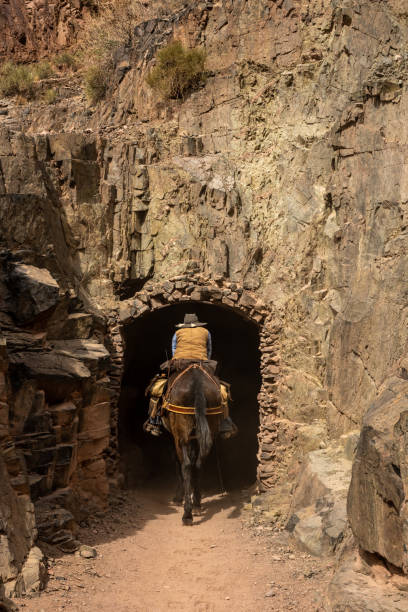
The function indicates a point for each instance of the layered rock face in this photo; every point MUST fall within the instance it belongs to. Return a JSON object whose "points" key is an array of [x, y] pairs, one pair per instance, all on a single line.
{"points": [[54, 419], [284, 175]]}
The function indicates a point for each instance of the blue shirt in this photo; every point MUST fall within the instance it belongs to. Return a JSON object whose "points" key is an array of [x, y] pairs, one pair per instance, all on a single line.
{"points": [[209, 345]]}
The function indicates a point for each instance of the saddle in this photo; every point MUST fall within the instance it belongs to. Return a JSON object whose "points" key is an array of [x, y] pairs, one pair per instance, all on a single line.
{"points": [[189, 410], [159, 391], [178, 365]]}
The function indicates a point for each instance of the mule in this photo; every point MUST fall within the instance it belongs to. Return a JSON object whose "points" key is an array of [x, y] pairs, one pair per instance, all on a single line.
{"points": [[198, 389]]}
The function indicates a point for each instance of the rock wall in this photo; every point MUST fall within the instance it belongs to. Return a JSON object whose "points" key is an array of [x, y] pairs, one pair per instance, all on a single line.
{"points": [[29, 31], [54, 419], [284, 175], [269, 176], [17, 522]]}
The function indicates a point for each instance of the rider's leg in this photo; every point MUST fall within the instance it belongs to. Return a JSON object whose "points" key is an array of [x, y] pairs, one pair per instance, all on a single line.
{"points": [[154, 422], [227, 428]]}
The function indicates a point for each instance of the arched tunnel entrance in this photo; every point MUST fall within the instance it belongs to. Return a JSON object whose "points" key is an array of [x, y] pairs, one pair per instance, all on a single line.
{"points": [[232, 463]]}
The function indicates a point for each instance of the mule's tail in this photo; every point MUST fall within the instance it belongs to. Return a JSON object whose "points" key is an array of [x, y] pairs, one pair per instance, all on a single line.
{"points": [[202, 428]]}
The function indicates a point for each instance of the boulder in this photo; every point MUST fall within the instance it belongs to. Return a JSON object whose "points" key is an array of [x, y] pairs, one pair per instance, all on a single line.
{"points": [[365, 584], [378, 496], [76, 325], [56, 525], [318, 517], [93, 354], [50, 365], [35, 292], [17, 533], [87, 552], [6, 605], [57, 374], [34, 572]]}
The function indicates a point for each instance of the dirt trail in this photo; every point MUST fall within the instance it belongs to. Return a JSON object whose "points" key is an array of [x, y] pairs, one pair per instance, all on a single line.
{"points": [[148, 562]]}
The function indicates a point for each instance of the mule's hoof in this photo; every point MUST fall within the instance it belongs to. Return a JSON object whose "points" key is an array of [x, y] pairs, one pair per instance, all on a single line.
{"points": [[177, 501], [187, 521], [197, 511]]}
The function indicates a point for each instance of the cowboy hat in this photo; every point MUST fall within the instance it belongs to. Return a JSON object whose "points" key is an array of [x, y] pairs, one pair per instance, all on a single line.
{"points": [[191, 320]]}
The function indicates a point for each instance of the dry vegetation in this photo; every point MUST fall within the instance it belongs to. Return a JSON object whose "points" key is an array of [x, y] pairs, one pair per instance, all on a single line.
{"points": [[178, 71], [66, 61], [50, 96], [17, 80], [112, 28], [26, 81], [101, 36]]}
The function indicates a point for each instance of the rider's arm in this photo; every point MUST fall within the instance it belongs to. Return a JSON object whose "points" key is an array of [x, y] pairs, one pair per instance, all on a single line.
{"points": [[209, 346], [173, 345]]}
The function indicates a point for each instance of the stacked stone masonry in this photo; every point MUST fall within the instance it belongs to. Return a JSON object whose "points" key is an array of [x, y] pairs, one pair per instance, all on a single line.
{"points": [[227, 295]]}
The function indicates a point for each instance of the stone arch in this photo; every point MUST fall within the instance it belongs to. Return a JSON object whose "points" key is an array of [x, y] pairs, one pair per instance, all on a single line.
{"points": [[228, 296]]}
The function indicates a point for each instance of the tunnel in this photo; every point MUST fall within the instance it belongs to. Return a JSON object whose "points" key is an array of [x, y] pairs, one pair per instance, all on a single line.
{"points": [[232, 463]]}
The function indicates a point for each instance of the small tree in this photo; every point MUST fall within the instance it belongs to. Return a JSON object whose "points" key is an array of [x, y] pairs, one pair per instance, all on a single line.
{"points": [[178, 71]]}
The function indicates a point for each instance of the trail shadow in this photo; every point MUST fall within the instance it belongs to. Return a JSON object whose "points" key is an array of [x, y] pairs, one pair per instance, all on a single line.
{"points": [[234, 501], [132, 509], [129, 511]]}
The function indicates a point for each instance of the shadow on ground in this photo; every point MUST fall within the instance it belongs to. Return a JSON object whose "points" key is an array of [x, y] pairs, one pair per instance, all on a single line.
{"points": [[130, 510]]}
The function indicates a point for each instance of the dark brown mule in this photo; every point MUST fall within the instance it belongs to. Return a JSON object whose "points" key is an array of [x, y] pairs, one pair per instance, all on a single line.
{"points": [[193, 434]]}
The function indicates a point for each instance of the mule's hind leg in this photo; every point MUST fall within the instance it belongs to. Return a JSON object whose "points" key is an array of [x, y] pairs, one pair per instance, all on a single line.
{"points": [[195, 480], [178, 497], [186, 471]]}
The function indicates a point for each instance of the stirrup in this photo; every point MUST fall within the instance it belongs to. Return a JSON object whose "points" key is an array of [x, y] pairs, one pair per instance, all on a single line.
{"points": [[155, 430], [228, 429]]}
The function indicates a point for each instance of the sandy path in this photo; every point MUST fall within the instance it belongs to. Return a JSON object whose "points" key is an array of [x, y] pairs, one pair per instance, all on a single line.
{"points": [[148, 561]]}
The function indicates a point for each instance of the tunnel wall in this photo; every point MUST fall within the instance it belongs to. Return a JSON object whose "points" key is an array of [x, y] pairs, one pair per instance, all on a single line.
{"points": [[227, 295]]}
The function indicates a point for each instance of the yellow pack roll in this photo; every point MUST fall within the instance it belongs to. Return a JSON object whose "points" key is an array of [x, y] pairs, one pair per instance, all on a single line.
{"points": [[158, 387]]}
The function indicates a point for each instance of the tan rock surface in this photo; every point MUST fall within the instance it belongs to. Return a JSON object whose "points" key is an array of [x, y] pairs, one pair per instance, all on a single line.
{"points": [[284, 174], [378, 495]]}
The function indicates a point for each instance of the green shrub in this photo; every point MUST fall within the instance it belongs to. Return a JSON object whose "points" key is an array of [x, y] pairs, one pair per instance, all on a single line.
{"points": [[66, 60], [95, 82], [178, 71], [16, 79], [50, 96], [43, 70]]}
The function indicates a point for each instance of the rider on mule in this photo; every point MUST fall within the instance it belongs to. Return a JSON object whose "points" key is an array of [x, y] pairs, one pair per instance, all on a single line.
{"points": [[191, 343]]}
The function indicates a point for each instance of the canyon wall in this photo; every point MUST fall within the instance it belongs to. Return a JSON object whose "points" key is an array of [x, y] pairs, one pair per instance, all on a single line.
{"points": [[285, 174]]}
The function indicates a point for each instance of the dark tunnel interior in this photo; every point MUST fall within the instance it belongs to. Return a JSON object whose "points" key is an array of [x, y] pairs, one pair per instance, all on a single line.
{"points": [[232, 463]]}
